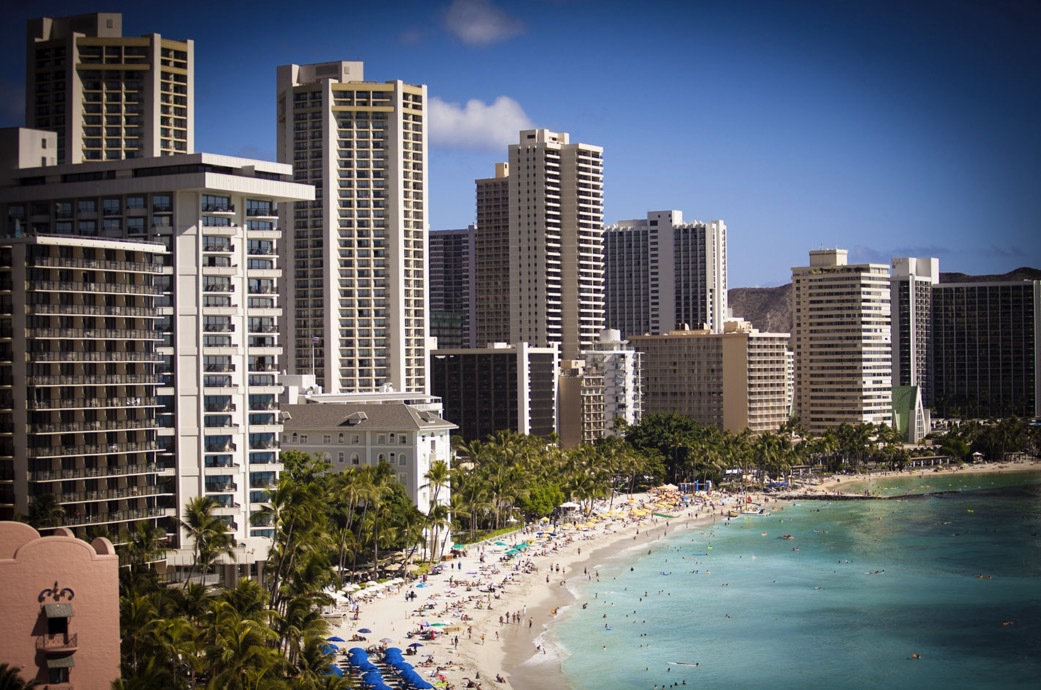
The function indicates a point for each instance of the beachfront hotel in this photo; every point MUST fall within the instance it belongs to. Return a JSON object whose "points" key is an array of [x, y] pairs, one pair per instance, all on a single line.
{"points": [[986, 349], [660, 272], [61, 607], [599, 390], [141, 341], [451, 278], [492, 245], [734, 380], [841, 335], [556, 266], [108, 96], [355, 259], [499, 387]]}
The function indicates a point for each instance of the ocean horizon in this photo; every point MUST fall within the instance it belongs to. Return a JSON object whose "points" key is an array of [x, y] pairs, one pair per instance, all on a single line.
{"points": [[939, 587]]}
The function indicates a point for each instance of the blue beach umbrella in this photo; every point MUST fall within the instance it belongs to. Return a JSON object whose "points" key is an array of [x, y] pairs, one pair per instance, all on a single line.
{"points": [[333, 670], [335, 638], [330, 649], [365, 631]]}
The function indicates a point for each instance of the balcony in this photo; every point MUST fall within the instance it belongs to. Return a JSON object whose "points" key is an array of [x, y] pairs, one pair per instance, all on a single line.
{"points": [[218, 208], [220, 487], [62, 642]]}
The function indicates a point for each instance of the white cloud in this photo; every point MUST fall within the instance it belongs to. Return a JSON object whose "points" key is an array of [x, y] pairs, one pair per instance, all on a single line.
{"points": [[477, 125], [478, 22]]}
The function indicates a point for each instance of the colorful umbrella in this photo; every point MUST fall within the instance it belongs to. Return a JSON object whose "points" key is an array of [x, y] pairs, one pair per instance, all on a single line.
{"points": [[364, 631]]}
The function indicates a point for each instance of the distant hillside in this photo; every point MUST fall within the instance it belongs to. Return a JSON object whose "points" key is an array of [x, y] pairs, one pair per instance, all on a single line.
{"points": [[770, 309]]}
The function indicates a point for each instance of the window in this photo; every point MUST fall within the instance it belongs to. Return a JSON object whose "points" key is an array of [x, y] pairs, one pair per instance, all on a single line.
{"points": [[355, 439], [327, 439], [303, 438], [402, 459], [340, 440], [340, 457], [403, 439]]}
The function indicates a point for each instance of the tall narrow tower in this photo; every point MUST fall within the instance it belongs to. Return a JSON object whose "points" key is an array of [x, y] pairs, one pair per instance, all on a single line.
{"points": [[355, 264], [493, 263], [107, 96], [843, 361], [556, 243], [911, 299]]}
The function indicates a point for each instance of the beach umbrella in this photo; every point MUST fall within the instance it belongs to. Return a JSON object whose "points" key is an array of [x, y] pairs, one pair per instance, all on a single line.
{"points": [[330, 649], [334, 670], [335, 638], [365, 631], [386, 640], [415, 644]]}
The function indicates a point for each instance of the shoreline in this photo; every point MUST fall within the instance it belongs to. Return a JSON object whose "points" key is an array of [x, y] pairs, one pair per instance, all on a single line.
{"points": [[530, 589]]}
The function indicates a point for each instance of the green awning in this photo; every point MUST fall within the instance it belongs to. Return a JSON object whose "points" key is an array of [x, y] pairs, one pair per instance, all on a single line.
{"points": [[58, 610], [61, 661]]}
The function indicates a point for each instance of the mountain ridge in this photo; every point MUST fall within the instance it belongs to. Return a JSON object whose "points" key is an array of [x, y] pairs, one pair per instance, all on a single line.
{"points": [[770, 309]]}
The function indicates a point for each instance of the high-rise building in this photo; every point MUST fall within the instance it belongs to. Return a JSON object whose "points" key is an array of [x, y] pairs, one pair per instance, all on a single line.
{"points": [[142, 351], [108, 96], [556, 271], [505, 387], [843, 353], [734, 380], [452, 292], [608, 384], [493, 258], [985, 349], [911, 303], [355, 259], [661, 273]]}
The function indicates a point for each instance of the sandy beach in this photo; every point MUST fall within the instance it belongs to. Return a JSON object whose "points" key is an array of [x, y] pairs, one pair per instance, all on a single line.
{"points": [[488, 612]]}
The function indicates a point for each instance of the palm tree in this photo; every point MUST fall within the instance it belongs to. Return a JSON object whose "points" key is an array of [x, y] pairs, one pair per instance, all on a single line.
{"points": [[437, 477], [209, 534], [46, 511], [146, 543], [11, 679]]}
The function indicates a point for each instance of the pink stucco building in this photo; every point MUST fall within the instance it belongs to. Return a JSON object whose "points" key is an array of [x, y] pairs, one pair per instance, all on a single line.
{"points": [[59, 598]]}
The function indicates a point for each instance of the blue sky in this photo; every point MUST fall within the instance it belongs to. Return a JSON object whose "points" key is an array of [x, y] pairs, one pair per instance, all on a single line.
{"points": [[885, 127]]}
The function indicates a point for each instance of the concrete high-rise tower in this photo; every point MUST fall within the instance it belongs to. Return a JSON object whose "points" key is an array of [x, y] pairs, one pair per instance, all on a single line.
{"points": [[493, 252], [911, 301], [355, 260], [107, 96], [843, 358], [556, 246], [662, 273]]}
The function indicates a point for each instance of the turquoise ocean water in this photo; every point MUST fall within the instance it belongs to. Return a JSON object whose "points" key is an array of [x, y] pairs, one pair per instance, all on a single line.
{"points": [[859, 588]]}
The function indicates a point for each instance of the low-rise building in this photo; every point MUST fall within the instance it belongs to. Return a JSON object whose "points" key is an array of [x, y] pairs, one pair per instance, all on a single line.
{"points": [[60, 607], [734, 380]]}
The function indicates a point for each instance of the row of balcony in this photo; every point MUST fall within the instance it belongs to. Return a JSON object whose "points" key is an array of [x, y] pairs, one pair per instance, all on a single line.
{"points": [[111, 357], [116, 516], [66, 451], [90, 310], [111, 494], [95, 333], [93, 472], [102, 380], [77, 286], [89, 403], [85, 426], [124, 266]]}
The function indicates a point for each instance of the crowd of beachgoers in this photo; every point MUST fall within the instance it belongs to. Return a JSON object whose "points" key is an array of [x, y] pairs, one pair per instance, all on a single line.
{"points": [[476, 618]]}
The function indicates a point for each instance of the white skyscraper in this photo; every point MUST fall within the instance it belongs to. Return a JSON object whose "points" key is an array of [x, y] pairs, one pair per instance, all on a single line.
{"points": [[355, 260], [556, 251], [661, 273], [843, 361]]}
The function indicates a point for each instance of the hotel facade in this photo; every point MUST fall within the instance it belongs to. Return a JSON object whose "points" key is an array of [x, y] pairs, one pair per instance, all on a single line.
{"points": [[355, 259]]}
